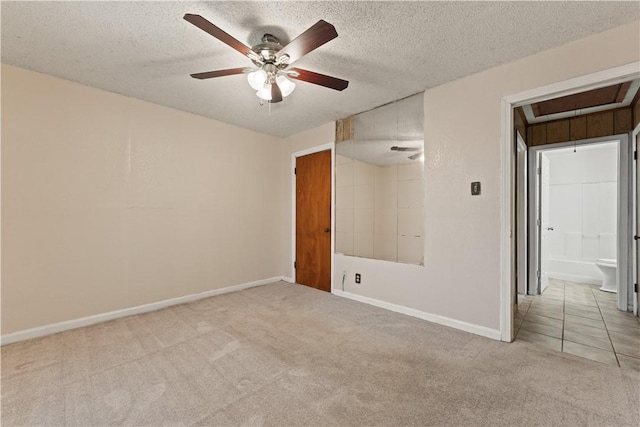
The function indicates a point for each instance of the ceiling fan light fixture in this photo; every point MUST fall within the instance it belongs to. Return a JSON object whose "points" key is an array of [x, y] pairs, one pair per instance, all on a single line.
{"points": [[257, 79], [265, 92], [270, 77], [286, 85]]}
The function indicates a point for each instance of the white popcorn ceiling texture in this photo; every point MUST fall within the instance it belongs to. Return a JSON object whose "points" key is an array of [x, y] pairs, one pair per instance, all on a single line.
{"points": [[387, 50]]}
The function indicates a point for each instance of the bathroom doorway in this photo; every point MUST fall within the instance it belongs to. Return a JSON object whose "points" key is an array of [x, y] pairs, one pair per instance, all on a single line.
{"points": [[579, 215]]}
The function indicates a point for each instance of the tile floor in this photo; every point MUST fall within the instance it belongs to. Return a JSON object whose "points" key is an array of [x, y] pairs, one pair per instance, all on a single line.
{"points": [[580, 319]]}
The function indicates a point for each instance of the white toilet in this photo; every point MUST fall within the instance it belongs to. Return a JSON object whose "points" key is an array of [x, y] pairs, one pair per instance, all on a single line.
{"points": [[608, 268]]}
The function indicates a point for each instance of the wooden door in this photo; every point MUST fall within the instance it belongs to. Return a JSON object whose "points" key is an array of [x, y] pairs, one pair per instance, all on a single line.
{"points": [[313, 220]]}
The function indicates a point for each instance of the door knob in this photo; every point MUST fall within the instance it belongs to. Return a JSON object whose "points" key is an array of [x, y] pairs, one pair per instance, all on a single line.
{"points": [[549, 228], [327, 229]]}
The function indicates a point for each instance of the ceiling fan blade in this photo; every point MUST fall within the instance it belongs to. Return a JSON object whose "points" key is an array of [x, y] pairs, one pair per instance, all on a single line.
{"points": [[318, 79], [216, 32], [276, 94], [317, 35], [397, 148], [218, 73]]}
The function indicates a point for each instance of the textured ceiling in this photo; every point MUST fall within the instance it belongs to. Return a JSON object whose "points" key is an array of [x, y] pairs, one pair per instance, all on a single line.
{"points": [[387, 50]]}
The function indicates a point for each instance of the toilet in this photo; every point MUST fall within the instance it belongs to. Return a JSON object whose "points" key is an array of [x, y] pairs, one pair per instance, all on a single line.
{"points": [[608, 268]]}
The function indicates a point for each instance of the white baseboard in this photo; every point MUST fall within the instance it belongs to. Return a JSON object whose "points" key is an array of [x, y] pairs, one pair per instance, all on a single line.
{"points": [[435, 318], [288, 279], [103, 317]]}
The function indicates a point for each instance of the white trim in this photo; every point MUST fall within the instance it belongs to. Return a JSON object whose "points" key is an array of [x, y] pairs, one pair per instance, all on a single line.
{"points": [[318, 148], [634, 217], [435, 318], [103, 317], [578, 84], [288, 279], [522, 257], [567, 87], [506, 241]]}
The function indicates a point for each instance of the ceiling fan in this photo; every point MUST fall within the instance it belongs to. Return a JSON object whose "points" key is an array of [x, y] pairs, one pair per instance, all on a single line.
{"points": [[270, 77], [416, 156]]}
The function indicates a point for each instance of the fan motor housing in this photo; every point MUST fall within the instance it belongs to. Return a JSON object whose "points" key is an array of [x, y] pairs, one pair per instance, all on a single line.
{"points": [[268, 48]]}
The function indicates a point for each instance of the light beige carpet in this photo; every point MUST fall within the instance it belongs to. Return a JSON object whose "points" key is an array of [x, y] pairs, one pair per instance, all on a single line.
{"points": [[285, 354]]}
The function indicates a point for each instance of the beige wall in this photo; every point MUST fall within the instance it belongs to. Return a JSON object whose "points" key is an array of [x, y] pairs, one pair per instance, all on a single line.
{"points": [[461, 276], [110, 202]]}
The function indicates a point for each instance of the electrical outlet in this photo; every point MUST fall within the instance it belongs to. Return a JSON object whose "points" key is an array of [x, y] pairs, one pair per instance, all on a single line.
{"points": [[357, 277]]}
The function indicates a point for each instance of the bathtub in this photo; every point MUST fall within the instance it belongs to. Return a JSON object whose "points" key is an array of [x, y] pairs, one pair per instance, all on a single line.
{"points": [[574, 271]]}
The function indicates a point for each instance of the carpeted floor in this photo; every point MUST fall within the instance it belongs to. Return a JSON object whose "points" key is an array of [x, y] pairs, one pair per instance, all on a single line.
{"points": [[285, 354]]}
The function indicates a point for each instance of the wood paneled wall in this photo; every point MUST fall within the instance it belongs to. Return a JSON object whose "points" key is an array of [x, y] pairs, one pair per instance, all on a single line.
{"points": [[605, 123], [344, 129], [635, 107], [520, 123]]}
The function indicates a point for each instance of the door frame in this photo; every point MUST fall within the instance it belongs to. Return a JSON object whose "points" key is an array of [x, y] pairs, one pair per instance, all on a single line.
{"points": [[507, 178], [312, 150], [624, 213], [635, 145], [522, 224]]}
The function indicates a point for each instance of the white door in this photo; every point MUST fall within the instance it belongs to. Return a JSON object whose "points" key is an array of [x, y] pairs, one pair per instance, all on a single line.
{"points": [[543, 220]]}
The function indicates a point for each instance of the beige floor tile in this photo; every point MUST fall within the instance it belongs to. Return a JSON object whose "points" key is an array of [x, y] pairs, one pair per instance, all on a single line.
{"points": [[552, 331], [625, 344], [545, 341], [544, 320], [577, 320], [586, 316], [573, 296], [608, 305], [569, 303], [605, 295], [576, 284], [556, 314], [587, 352], [613, 327], [517, 322], [586, 330], [627, 362], [625, 319], [582, 311], [552, 298], [584, 302], [621, 323], [601, 342], [559, 300]]}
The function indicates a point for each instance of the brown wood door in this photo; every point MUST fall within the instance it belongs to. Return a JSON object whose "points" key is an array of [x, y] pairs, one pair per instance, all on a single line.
{"points": [[313, 220]]}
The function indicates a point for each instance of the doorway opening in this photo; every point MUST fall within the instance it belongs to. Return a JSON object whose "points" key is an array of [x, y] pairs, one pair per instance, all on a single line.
{"points": [[579, 218], [579, 215], [509, 232]]}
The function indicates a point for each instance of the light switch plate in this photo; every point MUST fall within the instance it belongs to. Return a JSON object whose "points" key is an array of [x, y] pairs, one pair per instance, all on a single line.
{"points": [[475, 188]]}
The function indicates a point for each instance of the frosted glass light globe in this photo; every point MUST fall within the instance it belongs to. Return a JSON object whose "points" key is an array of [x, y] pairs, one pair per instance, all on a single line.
{"points": [[286, 85], [265, 92], [257, 78]]}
